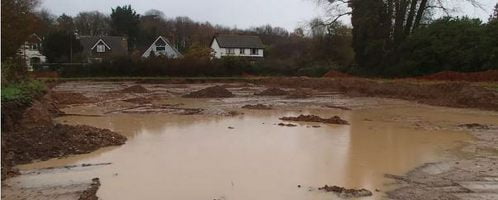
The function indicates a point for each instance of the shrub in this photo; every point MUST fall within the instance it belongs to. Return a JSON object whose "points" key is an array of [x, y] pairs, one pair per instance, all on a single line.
{"points": [[22, 92]]}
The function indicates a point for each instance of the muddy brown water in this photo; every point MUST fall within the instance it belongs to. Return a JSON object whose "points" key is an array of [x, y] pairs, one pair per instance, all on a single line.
{"points": [[172, 156]]}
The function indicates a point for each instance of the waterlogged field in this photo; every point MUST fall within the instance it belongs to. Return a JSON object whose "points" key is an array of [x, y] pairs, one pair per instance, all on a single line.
{"points": [[211, 148]]}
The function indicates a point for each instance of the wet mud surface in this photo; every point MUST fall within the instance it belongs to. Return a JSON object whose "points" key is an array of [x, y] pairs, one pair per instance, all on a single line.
{"points": [[213, 148]]}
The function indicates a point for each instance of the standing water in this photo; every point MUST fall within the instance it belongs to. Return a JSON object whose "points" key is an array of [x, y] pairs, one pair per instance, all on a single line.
{"points": [[250, 157]]}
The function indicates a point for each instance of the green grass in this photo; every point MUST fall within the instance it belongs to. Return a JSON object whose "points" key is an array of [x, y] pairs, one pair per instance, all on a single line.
{"points": [[22, 92]]}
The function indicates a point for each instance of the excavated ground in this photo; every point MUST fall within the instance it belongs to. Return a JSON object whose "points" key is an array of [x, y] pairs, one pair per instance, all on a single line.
{"points": [[472, 177]]}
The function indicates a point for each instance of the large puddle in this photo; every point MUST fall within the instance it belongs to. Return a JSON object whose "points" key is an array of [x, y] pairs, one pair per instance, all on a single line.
{"points": [[248, 157]]}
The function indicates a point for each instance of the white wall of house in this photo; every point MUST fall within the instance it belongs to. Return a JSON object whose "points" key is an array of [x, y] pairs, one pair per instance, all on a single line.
{"points": [[246, 52], [31, 52], [168, 51]]}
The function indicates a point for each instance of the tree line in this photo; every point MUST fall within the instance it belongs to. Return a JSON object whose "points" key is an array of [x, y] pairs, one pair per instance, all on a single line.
{"points": [[401, 37], [386, 38]]}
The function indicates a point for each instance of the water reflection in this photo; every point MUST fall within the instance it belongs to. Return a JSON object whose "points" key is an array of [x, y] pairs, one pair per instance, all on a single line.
{"points": [[199, 157]]}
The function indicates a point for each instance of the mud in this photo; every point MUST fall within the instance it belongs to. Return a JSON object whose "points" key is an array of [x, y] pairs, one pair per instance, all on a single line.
{"points": [[471, 178], [299, 94], [139, 100], [491, 75], [338, 107], [452, 94], [272, 92], [69, 98], [257, 107], [135, 89], [336, 74], [288, 125], [222, 154], [43, 143], [314, 118], [346, 193], [91, 192], [211, 92]]}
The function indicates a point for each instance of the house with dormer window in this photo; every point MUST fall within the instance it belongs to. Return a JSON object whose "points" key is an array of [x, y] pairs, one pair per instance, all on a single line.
{"points": [[98, 48], [161, 47]]}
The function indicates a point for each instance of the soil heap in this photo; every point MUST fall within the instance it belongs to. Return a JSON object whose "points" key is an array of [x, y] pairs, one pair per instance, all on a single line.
{"points": [[272, 92], [257, 107], [135, 89], [314, 118], [347, 193], [69, 98], [210, 92]]}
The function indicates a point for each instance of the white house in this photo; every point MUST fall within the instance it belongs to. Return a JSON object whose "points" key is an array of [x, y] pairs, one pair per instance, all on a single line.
{"points": [[161, 46], [30, 51], [237, 45]]}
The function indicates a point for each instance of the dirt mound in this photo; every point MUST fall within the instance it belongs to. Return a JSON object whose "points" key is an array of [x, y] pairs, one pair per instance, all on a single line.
{"points": [[299, 94], [68, 98], [336, 74], [210, 92], [491, 75], [42, 143], [347, 193], [474, 126], [135, 89], [257, 107], [272, 92], [91, 192], [314, 118], [288, 125]]}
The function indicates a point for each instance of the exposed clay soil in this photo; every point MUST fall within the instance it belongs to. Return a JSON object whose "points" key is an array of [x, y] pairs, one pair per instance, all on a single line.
{"points": [[299, 94], [336, 74], [139, 100], [272, 92], [338, 107], [491, 75], [288, 125], [257, 107], [91, 192], [210, 92], [453, 94], [347, 193], [314, 118], [68, 98], [42, 143], [30, 133], [135, 89]]}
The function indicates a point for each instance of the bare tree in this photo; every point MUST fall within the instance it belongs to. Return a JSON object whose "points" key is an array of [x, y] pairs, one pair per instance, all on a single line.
{"points": [[92, 23]]}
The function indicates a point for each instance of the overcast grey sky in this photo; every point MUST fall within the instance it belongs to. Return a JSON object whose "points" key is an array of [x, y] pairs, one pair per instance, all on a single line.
{"points": [[234, 13]]}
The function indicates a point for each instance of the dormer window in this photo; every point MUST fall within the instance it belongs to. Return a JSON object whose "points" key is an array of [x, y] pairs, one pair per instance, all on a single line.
{"points": [[161, 48], [100, 48]]}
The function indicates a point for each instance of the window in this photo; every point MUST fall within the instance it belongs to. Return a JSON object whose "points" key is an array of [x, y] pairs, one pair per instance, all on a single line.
{"points": [[100, 48], [242, 51], [254, 51], [160, 48], [230, 51]]}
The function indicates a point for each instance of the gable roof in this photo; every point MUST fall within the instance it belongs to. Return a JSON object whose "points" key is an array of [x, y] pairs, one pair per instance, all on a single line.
{"points": [[239, 41], [34, 38], [162, 42], [100, 41], [115, 43], [166, 41]]}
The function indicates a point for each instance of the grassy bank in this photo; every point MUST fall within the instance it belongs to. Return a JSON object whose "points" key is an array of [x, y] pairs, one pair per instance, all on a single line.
{"points": [[22, 92]]}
